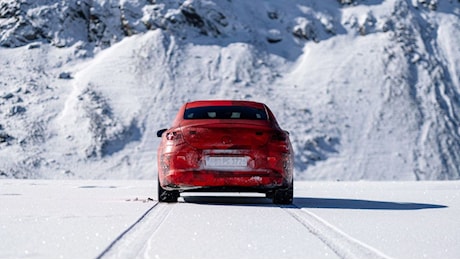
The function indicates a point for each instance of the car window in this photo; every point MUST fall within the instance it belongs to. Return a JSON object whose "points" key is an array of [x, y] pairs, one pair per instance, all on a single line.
{"points": [[225, 112]]}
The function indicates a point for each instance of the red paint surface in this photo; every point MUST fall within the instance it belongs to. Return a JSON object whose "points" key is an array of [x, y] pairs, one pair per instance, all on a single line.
{"points": [[188, 142]]}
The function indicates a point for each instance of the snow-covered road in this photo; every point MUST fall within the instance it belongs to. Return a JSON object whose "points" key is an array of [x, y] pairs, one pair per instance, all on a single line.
{"points": [[122, 219]]}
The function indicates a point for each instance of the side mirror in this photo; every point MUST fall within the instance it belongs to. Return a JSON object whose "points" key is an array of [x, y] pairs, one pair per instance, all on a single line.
{"points": [[160, 132]]}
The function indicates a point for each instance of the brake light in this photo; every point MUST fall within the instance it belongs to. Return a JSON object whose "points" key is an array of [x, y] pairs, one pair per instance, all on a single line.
{"points": [[279, 142], [175, 136]]}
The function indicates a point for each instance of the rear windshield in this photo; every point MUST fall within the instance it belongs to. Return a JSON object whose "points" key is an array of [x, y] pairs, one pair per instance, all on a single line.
{"points": [[225, 112]]}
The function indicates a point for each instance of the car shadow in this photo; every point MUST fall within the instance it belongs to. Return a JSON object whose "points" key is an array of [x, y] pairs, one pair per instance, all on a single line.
{"points": [[341, 203], [311, 203], [229, 200]]}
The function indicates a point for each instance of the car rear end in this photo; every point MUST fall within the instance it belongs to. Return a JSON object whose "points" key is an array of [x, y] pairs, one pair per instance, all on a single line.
{"points": [[226, 146]]}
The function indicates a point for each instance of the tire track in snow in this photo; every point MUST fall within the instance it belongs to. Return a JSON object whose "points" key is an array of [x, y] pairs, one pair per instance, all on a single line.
{"points": [[131, 242], [342, 244]]}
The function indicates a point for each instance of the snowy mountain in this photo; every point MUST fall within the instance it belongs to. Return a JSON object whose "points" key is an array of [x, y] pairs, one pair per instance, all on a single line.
{"points": [[369, 89]]}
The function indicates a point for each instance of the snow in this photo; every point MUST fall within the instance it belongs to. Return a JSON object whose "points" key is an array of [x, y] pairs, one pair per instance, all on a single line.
{"points": [[369, 91], [122, 219], [67, 219]]}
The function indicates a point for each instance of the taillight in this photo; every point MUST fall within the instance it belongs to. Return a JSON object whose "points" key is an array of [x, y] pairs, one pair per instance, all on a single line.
{"points": [[279, 142], [279, 157], [175, 136]]}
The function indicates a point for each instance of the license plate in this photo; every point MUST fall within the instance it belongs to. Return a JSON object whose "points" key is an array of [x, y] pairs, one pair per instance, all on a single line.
{"points": [[226, 162]]}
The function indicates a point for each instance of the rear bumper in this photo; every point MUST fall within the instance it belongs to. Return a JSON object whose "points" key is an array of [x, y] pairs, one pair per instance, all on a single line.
{"points": [[185, 180]]}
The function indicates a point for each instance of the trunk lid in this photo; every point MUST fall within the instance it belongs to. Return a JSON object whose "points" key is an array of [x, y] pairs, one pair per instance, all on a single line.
{"points": [[244, 134]]}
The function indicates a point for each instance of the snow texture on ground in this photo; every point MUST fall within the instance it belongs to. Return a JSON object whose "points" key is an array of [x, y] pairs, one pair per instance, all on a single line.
{"points": [[122, 219]]}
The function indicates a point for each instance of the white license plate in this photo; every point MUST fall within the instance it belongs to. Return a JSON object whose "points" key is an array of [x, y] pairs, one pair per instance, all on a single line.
{"points": [[226, 162]]}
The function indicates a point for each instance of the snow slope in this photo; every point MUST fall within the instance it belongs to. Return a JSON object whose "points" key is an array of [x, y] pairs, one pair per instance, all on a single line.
{"points": [[118, 219], [368, 89]]}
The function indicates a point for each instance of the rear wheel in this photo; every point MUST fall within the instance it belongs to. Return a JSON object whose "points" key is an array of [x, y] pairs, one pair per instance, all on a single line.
{"points": [[283, 196], [166, 195]]}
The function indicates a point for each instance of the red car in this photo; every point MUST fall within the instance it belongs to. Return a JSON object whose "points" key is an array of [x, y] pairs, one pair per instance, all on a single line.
{"points": [[224, 145]]}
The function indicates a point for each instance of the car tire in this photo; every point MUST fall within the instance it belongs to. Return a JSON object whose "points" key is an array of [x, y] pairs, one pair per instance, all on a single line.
{"points": [[166, 195], [283, 196]]}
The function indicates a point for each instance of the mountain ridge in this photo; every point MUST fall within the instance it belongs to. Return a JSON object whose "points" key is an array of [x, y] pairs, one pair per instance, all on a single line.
{"points": [[368, 89]]}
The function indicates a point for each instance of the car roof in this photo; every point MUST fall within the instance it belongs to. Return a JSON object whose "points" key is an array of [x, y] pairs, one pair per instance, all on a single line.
{"points": [[204, 103]]}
